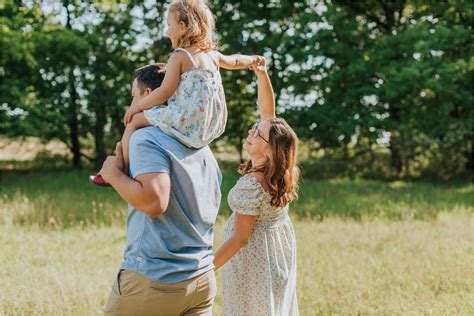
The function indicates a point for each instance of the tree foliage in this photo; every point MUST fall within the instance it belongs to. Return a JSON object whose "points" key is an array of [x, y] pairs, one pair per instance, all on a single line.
{"points": [[350, 76]]}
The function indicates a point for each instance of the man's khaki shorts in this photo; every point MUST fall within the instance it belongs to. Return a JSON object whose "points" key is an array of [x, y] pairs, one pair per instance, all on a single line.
{"points": [[133, 294]]}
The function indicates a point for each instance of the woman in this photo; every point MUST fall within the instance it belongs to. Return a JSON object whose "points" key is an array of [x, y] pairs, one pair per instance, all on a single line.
{"points": [[259, 249]]}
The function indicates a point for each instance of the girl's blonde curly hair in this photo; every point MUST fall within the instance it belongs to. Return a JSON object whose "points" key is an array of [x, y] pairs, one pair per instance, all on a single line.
{"points": [[199, 21]]}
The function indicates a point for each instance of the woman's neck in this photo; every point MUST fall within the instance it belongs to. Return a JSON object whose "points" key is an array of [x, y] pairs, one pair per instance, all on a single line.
{"points": [[258, 162]]}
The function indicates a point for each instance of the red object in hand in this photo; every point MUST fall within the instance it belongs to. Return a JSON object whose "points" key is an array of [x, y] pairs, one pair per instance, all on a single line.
{"points": [[98, 180]]}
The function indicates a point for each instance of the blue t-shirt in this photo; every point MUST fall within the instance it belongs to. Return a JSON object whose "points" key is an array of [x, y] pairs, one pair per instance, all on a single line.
{"points": [[177, 245]]}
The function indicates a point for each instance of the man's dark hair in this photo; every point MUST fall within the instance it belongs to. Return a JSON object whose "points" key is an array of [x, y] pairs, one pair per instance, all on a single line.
{"points": [[150, 76]]}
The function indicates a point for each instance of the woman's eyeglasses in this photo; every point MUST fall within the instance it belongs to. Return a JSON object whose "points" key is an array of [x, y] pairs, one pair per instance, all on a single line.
{"points": [[257, 133]]}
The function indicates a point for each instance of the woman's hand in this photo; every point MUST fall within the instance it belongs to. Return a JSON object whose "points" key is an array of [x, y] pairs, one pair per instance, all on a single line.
{"points": [[260, 65]]}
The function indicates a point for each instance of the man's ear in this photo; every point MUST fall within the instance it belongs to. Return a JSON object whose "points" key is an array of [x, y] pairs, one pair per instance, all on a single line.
{"points": [[147, 91]]}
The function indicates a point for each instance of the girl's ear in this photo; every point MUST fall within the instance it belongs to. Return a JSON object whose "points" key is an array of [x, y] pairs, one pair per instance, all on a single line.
{"points": [[147, 91], [182, 26]]}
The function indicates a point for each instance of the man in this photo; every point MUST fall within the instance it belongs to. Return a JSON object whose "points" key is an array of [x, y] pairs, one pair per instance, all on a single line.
{"points": [[174, 195]]}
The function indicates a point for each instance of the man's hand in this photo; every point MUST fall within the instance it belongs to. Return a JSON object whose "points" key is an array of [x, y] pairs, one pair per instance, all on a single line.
{"points": [[148, 192], [113, 165], [131, 111]]}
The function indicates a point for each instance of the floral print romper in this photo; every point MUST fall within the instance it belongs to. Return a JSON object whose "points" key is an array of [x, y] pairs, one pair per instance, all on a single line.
{"points": [[196, 113]]}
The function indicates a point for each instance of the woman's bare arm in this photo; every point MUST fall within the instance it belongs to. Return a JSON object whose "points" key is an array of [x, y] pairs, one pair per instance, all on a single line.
{"points": [[243, 227], [266, 96]]}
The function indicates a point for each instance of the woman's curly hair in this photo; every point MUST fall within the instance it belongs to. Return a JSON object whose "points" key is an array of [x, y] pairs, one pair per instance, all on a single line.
{"points": [[280, 173]]}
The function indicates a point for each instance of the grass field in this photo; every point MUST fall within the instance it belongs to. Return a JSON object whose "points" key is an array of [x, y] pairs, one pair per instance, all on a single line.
{"points": [[364, 247], [66, 198]]}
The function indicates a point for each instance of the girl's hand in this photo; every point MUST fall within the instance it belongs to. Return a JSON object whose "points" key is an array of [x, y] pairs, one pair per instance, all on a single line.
{"points": [[131, 111], [260, 64]]}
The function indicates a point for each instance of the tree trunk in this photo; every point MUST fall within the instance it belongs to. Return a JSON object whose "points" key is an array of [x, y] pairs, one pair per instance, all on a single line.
{"points": [[469, 166], [241, 150], [396, 158], [99, 134], [73, 109], [74, 124]]}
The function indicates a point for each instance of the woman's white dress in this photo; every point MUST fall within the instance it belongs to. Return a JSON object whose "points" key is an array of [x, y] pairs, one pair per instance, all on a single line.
{"points": [[260, 279]]}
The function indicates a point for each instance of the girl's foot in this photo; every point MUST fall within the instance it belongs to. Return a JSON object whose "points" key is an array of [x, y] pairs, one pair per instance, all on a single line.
{"points": [[97, 179]]}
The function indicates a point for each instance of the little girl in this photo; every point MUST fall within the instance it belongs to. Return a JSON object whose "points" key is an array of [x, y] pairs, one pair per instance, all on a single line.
{"points": [[196, 112]]}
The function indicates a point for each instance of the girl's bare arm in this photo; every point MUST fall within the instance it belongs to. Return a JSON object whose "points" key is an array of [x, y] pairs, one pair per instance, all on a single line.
{"points": [[161, 94], [235, 61]]}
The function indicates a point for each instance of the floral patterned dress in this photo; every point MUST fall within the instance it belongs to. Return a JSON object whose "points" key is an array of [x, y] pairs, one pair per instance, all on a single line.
{"points": [[260, 279], [196, 113]]}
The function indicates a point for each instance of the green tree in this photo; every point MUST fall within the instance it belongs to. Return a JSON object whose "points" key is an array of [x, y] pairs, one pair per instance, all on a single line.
{"points": [[400, 67], [43, 92], [18, 66], [253, 28], [71, 78], [108, 73]]}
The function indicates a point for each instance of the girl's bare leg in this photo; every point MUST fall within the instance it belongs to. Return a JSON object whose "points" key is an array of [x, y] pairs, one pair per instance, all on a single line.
{"points": [[138, 121]]}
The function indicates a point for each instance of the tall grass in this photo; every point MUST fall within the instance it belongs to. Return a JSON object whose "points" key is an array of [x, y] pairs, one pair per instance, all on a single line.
{"points": [[344, 268], [66, 198], [394, 200], [365, 247]]}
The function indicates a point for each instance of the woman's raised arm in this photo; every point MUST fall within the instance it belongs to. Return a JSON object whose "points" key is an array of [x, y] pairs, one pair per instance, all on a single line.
{"points": [[266, 97]]}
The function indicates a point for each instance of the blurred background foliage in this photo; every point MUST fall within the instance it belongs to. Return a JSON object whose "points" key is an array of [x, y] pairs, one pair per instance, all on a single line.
{"points": [[373, 88]]}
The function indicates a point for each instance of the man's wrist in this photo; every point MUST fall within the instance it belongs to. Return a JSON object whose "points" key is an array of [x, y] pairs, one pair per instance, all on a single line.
{"points": [[116, 176]]}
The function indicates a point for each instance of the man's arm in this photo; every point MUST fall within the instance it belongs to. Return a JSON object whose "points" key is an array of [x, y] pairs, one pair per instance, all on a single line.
{"points": [[149, 192]]}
